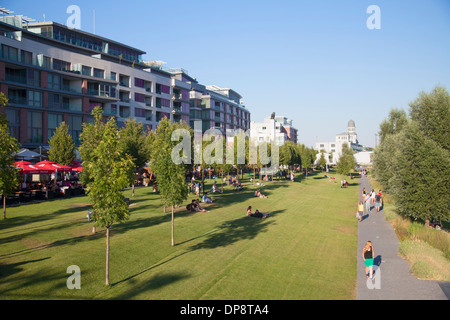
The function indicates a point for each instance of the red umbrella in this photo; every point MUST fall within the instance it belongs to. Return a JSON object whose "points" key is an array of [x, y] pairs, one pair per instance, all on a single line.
{"points": [[22, 162], [31, 169], [76, 166]]}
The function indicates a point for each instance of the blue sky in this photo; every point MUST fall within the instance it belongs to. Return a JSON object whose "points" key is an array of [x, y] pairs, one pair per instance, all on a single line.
{"points": [[314, 62]]}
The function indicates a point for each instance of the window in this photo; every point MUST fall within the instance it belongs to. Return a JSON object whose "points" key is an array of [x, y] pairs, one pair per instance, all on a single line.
{"points": [[54, 101], [86, 71], [53, 122], [98, 73], [34, 78], [34, 98], [61, 65], [139, 112], [112, 76], [43, 61], [138, 97], [10, 53], [53, 81], [139, 82], [13, 117], [34, 127], [26, 57], [75, 127]]}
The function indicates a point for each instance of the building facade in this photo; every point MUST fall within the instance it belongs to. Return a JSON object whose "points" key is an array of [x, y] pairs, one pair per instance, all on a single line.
{"points": [[333, 150], [274, 129], [51, 73]]}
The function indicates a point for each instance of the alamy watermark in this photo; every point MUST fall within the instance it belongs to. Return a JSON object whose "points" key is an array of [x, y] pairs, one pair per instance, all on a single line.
{"points": [[214, 153]]}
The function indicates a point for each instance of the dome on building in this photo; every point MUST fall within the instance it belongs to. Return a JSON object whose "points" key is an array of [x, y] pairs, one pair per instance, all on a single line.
{"points": [[351, 123]]}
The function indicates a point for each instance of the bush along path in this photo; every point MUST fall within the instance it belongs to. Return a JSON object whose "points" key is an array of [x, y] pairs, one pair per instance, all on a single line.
{"points": [[392, 279]]}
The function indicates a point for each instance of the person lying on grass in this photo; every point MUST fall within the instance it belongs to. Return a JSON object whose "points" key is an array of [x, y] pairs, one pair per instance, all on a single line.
{"points": [[259, 194], [257, 214]]}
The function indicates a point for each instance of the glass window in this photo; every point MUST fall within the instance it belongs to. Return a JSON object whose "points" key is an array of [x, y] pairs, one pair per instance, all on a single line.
{"points": [[53, 81], [54, 120], [139, 82], [34, 127], [13, 117], [10, 53], [34, 98], [86, 71], [75, 127], [98, 73], [34, 78], [26, 57]]}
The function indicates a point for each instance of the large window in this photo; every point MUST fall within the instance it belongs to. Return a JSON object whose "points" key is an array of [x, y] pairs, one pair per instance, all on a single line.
{"points": [[54, 120], [34, 127], [35, 98], [13, 117], [54, 81], [10, 53], [86, 71], [98, 73], [26, 57], [34, 78], [75, 127], [139, 82], [61, 65]]}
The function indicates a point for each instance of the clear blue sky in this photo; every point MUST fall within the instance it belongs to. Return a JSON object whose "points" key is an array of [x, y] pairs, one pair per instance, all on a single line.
{"points": [[315, 62]]}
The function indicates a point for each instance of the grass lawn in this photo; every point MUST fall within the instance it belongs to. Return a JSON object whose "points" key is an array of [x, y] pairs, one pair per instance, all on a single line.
{"points": [[307, 249]]}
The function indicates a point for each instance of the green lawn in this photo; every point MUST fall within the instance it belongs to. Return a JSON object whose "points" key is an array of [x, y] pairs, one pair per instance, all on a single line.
{"points": [[305, 250]]}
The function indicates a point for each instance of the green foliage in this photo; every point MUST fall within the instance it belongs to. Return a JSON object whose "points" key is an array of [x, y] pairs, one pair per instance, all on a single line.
{"points": [[346, 161], [90, 137], [431, 113], [110, 172], [62, 146], [170, 176], [413, 159], [132, 142], [8, 147]]}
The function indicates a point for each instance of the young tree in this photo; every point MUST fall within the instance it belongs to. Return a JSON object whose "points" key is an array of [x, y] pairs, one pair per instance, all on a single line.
{"points": [[132, 142], [322, 161], [169, 175], [109, 173], [346, 161], [62, 147], [90, 137], [8, 147]]}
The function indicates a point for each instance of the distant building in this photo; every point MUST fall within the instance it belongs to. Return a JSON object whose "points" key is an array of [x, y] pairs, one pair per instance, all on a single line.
{"points": [[333, 150], [273, 129]]}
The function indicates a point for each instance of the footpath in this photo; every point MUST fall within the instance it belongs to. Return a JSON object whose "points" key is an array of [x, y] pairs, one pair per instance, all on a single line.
{"points": [[392, 276]]}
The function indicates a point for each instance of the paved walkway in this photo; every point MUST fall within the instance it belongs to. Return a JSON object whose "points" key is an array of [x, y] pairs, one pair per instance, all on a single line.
{"points": [[392, 279]]}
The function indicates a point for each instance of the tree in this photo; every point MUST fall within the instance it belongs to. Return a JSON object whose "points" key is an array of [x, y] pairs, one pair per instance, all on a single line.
{"points": [[62, 146], [109, 173], [169, 175], [420, 183], [8, 147], [346, 161], [90, 137], [395, 122], [431, 112], [322, 161], [132, 142]]}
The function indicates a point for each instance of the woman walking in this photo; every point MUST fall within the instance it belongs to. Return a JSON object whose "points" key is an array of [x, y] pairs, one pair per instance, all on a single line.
{"points": [[368, 254]]}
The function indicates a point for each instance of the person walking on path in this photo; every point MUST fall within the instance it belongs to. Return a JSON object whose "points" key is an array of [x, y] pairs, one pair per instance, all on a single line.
{"points": [[368, 254], [360, 210]]}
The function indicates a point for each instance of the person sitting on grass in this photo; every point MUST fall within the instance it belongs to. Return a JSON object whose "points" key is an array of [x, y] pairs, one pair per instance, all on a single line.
{"points": [[215, 189], [197, 203], [194, 207], [206, 199], [257, 214], [259, 194]]}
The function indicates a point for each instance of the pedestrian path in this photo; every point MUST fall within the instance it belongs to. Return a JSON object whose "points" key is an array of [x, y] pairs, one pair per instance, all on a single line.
{"points": [[392, 278]]}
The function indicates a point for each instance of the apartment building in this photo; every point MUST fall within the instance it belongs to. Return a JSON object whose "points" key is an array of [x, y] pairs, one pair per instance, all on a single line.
{"points": [[51, 73], [274, 130]]}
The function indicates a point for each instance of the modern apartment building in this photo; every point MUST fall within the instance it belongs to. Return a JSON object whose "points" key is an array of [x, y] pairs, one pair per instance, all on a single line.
{"points": [[51, 73], [274, 130], [216, 108]]}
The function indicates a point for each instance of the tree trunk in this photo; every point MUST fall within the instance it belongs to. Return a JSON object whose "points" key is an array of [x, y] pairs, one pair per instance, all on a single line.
{"points": [[132, 190], [4, 206], [173, 242], [107, 256]]}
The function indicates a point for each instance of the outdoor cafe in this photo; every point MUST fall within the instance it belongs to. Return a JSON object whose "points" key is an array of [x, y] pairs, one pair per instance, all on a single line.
{"points": [[46, 180]]}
